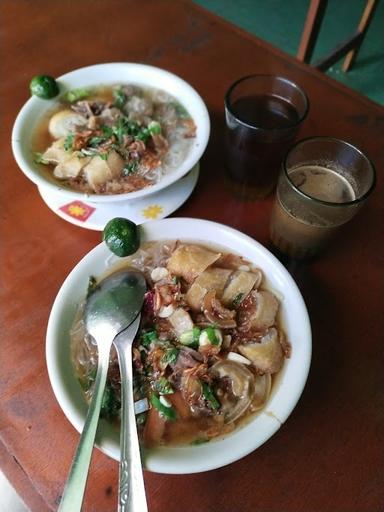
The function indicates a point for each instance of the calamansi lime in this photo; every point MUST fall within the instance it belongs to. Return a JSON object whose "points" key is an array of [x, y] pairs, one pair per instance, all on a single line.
{"points": [[44, 87], [121, 236]]}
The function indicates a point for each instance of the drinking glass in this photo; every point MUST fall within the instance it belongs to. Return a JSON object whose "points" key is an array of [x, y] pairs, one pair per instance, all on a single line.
{"points": [[323, 183], [263, 115]]}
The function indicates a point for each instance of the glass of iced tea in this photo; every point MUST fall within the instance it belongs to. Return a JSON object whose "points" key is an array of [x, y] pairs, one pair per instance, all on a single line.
{"points": [[323, 183], [263, 115]]}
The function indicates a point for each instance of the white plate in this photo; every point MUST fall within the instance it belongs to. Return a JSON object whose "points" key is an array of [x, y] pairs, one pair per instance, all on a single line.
{"points": [[95, 216]]}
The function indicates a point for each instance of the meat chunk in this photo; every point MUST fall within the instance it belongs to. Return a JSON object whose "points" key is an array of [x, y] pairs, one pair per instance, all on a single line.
{"points": [[65, 122], [266, 353], [98, 171], [188, 261], [258, 311], [56, 153], [239, 286], [211, 279], [71, 167], [181, 321], [237, 388]]}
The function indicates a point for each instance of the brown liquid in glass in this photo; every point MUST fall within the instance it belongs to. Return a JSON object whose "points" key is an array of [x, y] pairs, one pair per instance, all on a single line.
{"points": [[256, 145]]}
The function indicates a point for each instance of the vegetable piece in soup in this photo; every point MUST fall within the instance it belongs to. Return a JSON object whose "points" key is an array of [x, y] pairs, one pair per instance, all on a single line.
{"points": [[208, 349], [113, 140]]}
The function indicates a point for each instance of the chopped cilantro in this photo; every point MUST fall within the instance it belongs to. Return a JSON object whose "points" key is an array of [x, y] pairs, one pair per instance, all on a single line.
{"points": [[107, 131], [120, 98], [96, 141], [69, 141], [209, 396], [110, 404], [239, 297], [170, 356], [148, 337], [130, 168], [143, 134]]}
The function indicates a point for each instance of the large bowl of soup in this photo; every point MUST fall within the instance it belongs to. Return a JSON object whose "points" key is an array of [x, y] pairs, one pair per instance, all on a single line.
{"points": [[115, 131], [221, 356]]}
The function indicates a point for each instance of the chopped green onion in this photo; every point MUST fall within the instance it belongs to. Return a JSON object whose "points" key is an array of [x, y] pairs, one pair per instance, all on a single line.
{"points": [[163, 386], [144, 134], [209, 396], [154, 128], [38, 158], [168, 413], [200, 440], [76, 95], [212, 336], [148, 369], [190, 337]]}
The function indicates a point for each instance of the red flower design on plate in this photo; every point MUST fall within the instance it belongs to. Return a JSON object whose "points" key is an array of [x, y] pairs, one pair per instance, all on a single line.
{"points": [[78, 210]]}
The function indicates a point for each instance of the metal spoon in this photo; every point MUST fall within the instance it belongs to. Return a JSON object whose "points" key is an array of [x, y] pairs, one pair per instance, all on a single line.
{"points": [[131, 482], [110, 309]]}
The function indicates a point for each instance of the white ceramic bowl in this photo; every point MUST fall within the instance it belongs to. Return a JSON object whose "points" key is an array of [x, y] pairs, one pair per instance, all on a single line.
{"points": [[108, 74], [219, 452]]}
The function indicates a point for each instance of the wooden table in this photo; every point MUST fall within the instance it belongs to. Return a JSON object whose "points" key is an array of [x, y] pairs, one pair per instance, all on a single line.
{"points": [[329, 455]]}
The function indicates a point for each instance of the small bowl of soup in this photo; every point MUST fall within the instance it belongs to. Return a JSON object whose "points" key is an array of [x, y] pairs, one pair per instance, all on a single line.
{"points": [[221, 356], [115, 131]]}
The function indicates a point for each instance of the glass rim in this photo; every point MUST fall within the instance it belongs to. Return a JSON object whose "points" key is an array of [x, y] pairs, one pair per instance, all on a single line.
{"points": [[228, 103], [322, 201]]}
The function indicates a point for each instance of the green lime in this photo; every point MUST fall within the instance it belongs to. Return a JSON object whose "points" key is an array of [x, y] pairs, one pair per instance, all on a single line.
{"points": [[44, 86], [121, 236]]}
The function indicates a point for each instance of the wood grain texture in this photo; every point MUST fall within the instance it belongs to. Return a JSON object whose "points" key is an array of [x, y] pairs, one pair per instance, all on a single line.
{"points": [[329, 455]]}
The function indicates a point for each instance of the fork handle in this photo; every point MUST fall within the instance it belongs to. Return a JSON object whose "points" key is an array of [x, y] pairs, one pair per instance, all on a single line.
{"points": [[131, 487]]}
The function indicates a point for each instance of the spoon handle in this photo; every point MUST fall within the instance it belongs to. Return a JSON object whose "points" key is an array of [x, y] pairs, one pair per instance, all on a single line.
{"points": [[131, 486], [73, 493]]}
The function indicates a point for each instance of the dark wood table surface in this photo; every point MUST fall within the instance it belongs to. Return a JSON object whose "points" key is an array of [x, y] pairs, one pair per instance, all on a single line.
{"points": [[329, 455]]}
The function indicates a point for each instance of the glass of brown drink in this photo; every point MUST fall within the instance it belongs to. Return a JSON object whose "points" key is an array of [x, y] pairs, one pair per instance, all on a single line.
{"points": [[322, 184], [263, 115]]}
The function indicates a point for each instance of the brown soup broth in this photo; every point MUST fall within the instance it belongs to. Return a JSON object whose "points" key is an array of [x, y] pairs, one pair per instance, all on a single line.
{"points": [[188, 429], [158, 158]]}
